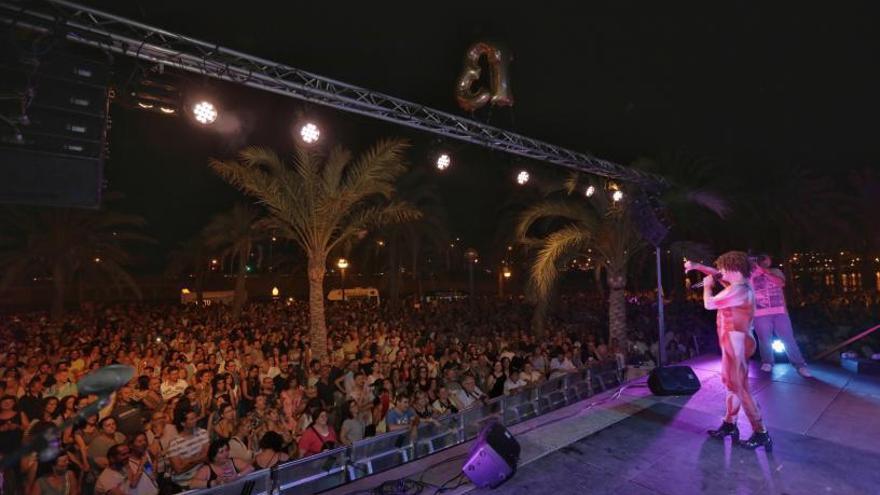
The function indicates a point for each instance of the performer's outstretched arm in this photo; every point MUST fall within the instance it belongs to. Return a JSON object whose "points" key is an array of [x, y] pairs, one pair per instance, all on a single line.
{"points": [[733, 295], [693, 265]]}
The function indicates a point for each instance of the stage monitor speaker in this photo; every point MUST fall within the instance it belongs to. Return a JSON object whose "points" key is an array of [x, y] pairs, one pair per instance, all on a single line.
{"points": [[493, 458], [673, 380]]}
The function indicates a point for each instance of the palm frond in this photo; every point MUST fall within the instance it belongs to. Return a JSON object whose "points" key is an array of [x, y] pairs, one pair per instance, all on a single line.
{"points": [[545, 270]]}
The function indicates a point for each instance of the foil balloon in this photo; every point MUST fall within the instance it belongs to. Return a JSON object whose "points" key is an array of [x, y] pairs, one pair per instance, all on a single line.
{"points": [[498, 61]]}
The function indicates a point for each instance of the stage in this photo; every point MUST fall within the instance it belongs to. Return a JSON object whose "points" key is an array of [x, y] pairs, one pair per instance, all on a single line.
{"points": [[826, 433]]}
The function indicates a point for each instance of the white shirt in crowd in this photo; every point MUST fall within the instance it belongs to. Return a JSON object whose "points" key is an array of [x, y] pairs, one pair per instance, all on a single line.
{"points": [[171, 390], [467, 399]]}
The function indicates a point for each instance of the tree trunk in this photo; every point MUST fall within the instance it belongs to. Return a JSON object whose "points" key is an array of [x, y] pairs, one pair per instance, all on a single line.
{"points": [[539, 317], [394, 269], [240, 284], [317, 322], [417, 278], [59, 284], [200, 287], [617, 306]]}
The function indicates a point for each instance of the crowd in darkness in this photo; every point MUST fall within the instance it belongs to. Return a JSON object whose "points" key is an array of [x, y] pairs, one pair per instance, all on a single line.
{"points": [[215, 397]]}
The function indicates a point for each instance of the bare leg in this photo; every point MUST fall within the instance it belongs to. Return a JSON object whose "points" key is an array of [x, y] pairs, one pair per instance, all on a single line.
{"points": [[738, 380]]}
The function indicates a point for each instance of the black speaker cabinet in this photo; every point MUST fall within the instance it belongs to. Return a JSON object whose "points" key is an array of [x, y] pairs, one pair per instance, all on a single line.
{"points": [[673, 380], [493, 458]]}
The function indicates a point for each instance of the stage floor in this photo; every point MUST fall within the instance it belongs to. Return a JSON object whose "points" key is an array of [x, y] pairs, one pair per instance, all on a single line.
{"points": [[826, 434]]}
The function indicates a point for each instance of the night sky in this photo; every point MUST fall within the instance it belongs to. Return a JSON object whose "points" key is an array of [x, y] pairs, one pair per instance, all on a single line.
{"points": [[743, 85]]}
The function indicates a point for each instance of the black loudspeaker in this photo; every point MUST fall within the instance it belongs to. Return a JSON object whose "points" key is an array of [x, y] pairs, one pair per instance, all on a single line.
{"points": [[673, 380], [650, 217], [493, 458], [53, 131]]}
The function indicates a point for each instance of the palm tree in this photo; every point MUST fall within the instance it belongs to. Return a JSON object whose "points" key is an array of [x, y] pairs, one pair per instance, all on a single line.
{"points": [[191, 255], [564, 226], [413, 238], [321, 203], [69, 245], [233, 234]]}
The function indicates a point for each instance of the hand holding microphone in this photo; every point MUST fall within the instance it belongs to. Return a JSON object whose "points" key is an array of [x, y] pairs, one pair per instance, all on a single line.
{"points": [[708, 280]]}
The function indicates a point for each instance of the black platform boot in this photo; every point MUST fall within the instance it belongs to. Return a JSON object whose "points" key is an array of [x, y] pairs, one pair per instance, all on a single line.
{"points": [[758, 439], [724, 430]]}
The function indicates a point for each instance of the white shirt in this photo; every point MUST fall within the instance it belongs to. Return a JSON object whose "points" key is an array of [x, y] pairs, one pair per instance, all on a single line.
{"points": [[111, 479], [468, 399], [171, 390], [512, 385]]}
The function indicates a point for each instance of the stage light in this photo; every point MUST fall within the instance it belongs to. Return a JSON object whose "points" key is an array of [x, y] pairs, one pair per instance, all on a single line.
{"points": [[591, 190], [205, 112], [443, 161], [617, 195], [310, 133], [522, 177], [778, 346]]}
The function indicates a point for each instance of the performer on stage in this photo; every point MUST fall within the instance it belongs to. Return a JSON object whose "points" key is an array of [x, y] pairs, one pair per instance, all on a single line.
{"points": [[771, 316], [736, 311]]}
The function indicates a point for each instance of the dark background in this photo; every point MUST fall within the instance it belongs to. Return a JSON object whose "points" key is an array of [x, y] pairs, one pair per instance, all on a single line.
{"points": [[743, 85]]}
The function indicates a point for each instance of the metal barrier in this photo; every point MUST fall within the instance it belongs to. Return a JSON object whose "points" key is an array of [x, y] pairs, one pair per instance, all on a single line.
{"points": [[372, 455]]}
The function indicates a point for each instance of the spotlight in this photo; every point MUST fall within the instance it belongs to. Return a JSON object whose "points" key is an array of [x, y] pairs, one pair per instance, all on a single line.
{"points": [[310, 133], [778, 346], [204, 112], [522, 177], [617, 195], [591, 190], [443, 161]]}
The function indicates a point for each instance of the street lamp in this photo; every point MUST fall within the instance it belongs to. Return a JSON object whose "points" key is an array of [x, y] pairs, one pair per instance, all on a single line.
{"points": [[472, 257], [503, 275], [342, 264]]}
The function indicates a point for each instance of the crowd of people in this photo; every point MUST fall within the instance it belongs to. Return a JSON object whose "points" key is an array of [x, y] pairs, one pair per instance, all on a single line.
{"points": [[214, 397]]}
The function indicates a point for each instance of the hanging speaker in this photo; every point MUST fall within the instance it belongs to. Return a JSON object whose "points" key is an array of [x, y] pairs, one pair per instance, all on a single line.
{"points": [[53, 133], [493, 458]]}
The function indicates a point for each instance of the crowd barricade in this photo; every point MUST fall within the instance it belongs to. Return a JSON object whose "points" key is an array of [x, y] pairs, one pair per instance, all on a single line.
{"points": [[386, 451]]}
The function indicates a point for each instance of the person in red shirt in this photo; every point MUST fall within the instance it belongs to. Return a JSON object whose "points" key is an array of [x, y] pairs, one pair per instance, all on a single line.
{"points": [[736, 313], [318, 437]]}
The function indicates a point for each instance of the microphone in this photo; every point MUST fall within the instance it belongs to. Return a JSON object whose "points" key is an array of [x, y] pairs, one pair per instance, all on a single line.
{"points": [[700, 284], [106, 380]]}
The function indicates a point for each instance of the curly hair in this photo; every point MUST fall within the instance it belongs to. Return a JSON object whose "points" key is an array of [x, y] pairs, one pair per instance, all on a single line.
{"points": [[735, 261]]}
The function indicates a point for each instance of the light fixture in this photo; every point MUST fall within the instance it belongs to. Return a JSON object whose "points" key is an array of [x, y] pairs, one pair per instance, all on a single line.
{"points": [[310, 133], [443, 161], [97, 260], [617, 195], [184, 291], [507, 273], [342, 263], [778, 346], [591, 190], [522, 177], [167, 110], [205, 112], [275, 292]]}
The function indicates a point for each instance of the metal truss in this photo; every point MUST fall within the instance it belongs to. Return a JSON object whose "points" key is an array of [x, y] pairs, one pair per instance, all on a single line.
{"points": [[109, 32]]}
